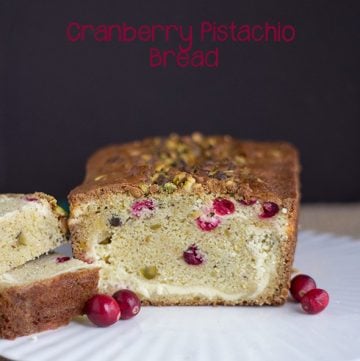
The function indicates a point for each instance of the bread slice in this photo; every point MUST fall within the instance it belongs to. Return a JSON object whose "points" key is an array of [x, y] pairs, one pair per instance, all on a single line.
{"points": [[44, 294], [30, 225], [191, 220]]}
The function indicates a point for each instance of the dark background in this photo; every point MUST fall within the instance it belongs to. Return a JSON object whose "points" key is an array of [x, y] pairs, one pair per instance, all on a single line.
{"points": [[60, 101]]}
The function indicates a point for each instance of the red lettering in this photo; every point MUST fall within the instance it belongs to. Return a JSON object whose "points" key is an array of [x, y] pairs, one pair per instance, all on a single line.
{"points": [[153, 31], [129, 33], [232, 28], [110, 31], [101, 33], [83, 30], [168, 30], [244, 30], [155, 58], [69, 33], [144, 33], [212, 58], [182, 59], [253, 33], [188, 40], [197, 59], [166, 55], [222, 34], [292, 33], [269, 28], [205, 28]]}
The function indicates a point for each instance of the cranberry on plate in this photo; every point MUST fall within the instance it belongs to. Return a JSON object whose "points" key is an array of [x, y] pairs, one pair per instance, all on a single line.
{"points": [[128, 302], [315, 301], [102, 310], [300, 285]]}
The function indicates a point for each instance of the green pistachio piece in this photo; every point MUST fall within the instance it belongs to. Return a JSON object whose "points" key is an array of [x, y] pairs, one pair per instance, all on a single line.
{"points": [[21, 240], [149, 272], [107, 240], [155, 227]]}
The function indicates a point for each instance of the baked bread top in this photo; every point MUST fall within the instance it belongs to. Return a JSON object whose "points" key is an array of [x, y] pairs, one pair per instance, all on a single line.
{"points": [[196, 163]]}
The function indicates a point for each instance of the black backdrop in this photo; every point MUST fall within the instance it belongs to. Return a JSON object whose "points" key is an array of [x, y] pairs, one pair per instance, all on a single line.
{"points": [[60, 101]]}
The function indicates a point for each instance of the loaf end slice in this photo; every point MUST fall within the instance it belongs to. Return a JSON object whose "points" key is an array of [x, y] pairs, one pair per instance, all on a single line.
{"points": [[44, 294]]}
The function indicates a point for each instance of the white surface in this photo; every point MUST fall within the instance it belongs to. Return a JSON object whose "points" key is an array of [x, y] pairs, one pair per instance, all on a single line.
{"points": [[226, 333]]}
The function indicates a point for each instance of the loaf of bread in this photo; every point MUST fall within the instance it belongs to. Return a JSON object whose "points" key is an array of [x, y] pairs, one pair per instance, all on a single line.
{"points": [[30, 225], [44, 294], [192, 220]]}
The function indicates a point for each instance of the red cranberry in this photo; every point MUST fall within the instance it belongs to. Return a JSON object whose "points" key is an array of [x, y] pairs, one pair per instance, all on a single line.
{"points": [[102, 310], [129, 303], [144, 207], [269, 209], [193, 255], [207, 222], [62, 259], [315, 301], [300, 285], [223, 206], [247, 202]]}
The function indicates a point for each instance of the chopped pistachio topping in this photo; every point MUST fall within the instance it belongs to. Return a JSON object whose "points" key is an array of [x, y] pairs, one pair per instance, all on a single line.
{"points": [[170, 187], [190, 181], [180, 178]]}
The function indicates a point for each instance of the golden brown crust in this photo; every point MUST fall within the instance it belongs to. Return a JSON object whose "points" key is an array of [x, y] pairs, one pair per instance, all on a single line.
{"points": [[197, 163], [47, 304]]}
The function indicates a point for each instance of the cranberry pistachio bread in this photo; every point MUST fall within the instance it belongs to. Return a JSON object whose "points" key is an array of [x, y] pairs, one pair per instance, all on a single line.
{"points": [[192, 220], [44, 294], [30, 225]]}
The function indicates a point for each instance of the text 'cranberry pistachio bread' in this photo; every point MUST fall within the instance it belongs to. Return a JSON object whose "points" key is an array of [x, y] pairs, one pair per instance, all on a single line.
{"points": [[30, 225], [44, 294], [190, 220]]}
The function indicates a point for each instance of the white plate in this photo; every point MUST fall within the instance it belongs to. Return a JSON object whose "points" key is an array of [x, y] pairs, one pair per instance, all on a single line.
{"points": [[226, 333]]}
